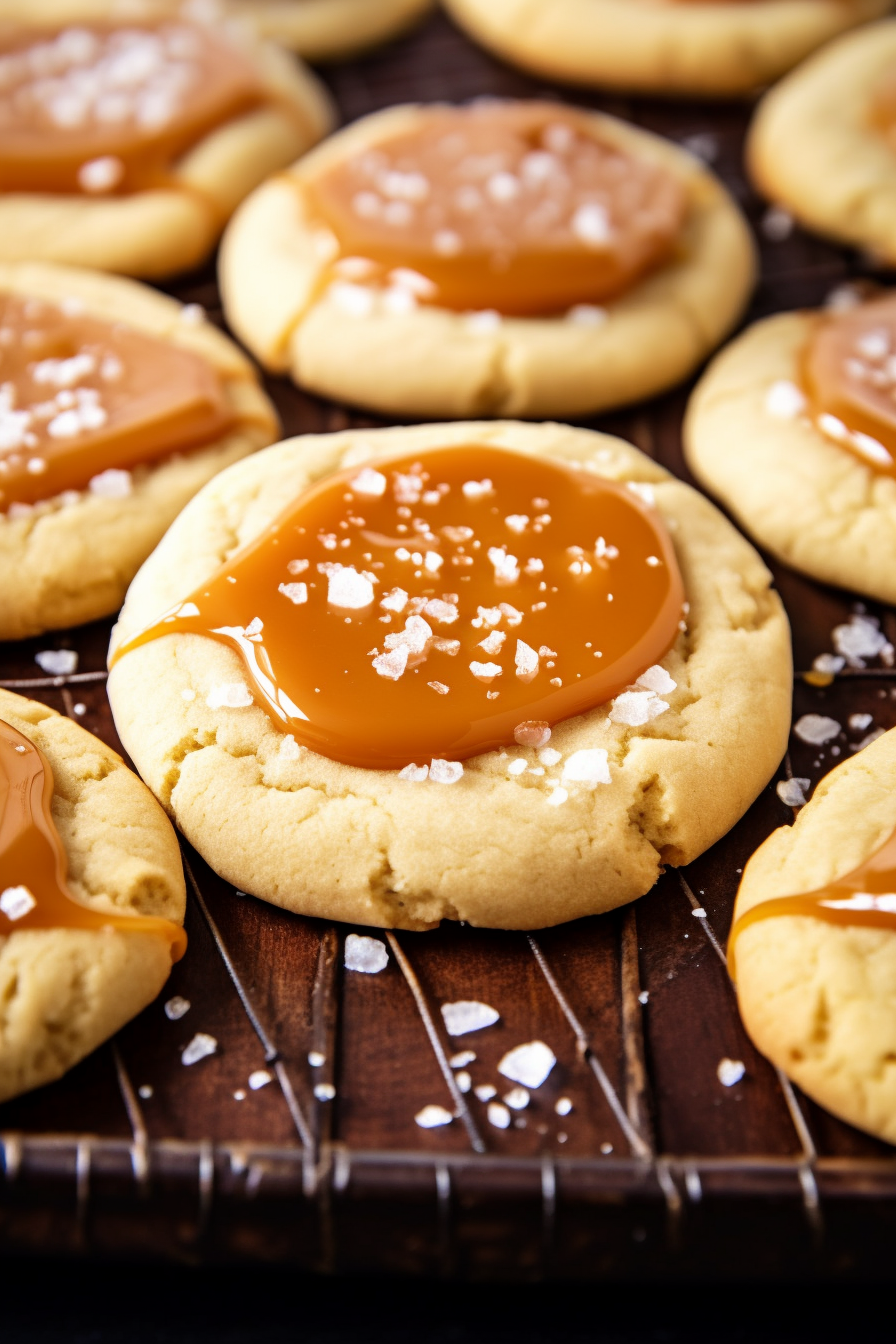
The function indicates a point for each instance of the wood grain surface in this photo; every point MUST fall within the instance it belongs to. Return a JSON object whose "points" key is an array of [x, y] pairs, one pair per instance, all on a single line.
{"points": [[658, 1170]]}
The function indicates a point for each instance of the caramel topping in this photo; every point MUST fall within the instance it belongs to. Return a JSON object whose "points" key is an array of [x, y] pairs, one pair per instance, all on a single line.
{"points": [[33, 861], [849, 373], [864, 898], [99, 109], [80, 396], [882, 107], [441, 605], [517, 207]]}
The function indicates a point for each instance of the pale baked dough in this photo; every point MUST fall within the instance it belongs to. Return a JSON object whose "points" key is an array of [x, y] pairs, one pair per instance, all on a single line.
{"points": [[65, 991], [62, 563], [654, 46], [153, 234], [336, 841], [319, 30], [812, 503], [435, 363], [813, 150], [818, 999]]}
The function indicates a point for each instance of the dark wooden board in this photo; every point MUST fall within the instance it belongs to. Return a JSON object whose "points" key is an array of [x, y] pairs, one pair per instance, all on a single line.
{"points": [[658, 1170]]}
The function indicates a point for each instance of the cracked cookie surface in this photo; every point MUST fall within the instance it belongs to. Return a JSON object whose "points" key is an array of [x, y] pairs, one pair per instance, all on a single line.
{"points": [[336, 841], [818, 999], [64, 991]]}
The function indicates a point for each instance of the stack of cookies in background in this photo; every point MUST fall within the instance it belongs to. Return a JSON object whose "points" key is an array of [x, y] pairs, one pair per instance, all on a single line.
{"points": [[368, 413]]}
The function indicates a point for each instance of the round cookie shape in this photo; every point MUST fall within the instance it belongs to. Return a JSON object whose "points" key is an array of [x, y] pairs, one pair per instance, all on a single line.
{"points": [[819, 144], [818, 997], [69, 558], [68, 988], [519, 838], [751, 439], [133, 156], [694, 48], [304, 309]]}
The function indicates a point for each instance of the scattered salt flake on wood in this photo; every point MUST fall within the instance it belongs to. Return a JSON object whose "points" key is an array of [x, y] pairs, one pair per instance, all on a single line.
{"points": [[462, 1059], [859, 639], [730, 1071], [467, 1015], [588, 766], [816, 729], [316, 1059], [485, 1091], [201, 1045], [176, 1008], [563, 1105], [464, 1081], [229, 695], [792, 792], [239, 1095], [644, 996], [498, 1115], [16, 902], [431, 1117], [144, 1092], [445, 772], [365, 954], [860, 722], [656, 679], [57, 662], [776, 224], [698, 912], [517, 1099], [260, 1078], [829, 663], [606, 1149], [528, 1064], [324, 1091]]}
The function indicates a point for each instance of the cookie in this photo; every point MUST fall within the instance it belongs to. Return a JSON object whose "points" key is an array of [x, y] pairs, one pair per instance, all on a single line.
{"points": [[831, 161], [818, 997], [551, 826], [92, 894], [137, 151], [660, 46], [80, 509], [807, 478], [533, 260]]}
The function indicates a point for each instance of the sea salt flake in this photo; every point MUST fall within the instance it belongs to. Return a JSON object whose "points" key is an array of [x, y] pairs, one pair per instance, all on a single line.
{"points": [[698, 912], [477, 489], [635, 708], [517, 767], [416, 774], [296, 592], [464, 1081], [563, 1105], [347, 589], [396, 600], [532, 733], [365, 954], [192, 314], [316, 1059], [550, 756], [369, 482], [16, 902], [792, 792], [591, 225], [557, 796], [431, 1117], [498, 1115], [467, 1015], [492, 642], [829, 663], [176, 1008], [589, 766], [656, 679], [438, 686], [784, 400], [517, 1099], [485, 1092], [324, 1091], [289, 749], [445, 613], [776, 224], [445, 772], [57, 662], [528, 1064], [526, 661], [229, 695], [260, 1078], [859, 722], [200, 1047], [391, 664], [643, 996], [506, 566], [414, 637], [606, 1148], [861, 638], [517, 522], [816, 729], [462, 1059], [486, 672], [100, 175], [145, 1091], [297, 566], [730, 1071]]}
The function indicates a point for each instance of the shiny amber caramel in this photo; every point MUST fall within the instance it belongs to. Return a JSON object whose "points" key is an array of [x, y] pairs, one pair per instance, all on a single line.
{"points": [[849, 375], [79, 396], [864, 898], [33, 863], [102, 109], [518, 207], [432, 606]]}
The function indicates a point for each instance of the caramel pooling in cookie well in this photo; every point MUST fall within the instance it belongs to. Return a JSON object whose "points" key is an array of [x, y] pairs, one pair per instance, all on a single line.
{"points": [[521, 208], [440, 605], [33, 864], [80, 396], [100, 109]]}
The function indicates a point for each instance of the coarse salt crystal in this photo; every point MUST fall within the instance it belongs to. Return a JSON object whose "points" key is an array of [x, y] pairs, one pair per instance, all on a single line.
{"points": [[550, 756], [859, 639], [395, 600], [316, 1059], [517, 522], [462, 1059], [431, 1117], [100, 175], [324, 1091], [557, 796], [296, 592], [506, 566], [656, 679], [464, 1081], [498, 1115], [792, 792], [201, 1046], [289, 748], [414, 637], [784, 400], [260, 1078], [591, 225], [517, 1099], [176, 1008], [860, 722], [528, 1064], [563, 1105], [643, 996], [365, 954], [229, 695], [829, 663], [517, 767], [436, 609], [588, 766], [445, 772], [698, 912], [730, 1071], [816, 729], [486, 672], [438, 686], [634, 708], [416, 774], [145, 1091], [16, 902], [347, 589], [532, 733], [526, 661], [112, 484], [391, 664], [493, 642], [57, 662], [776, 224], [467, 1015], [369, 482], [485, 1091]]}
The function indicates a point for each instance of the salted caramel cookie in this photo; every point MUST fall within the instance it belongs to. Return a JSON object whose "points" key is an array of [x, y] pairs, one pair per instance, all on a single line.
{"points": [[718, 49], [793, 427], [500, 259], [116, 405], [813, 945], [823, 143], [493, 672], [126, 146], [91, 894]]}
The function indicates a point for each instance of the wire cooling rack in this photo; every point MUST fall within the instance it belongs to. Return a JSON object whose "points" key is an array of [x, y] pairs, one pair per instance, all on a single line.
{"points": [[648, 1167]]}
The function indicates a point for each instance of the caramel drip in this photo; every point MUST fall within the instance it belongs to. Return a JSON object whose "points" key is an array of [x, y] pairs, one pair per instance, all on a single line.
{"points": [[517, 207], [33, 862], [126, 101], [864, 898], [433, 606], [849, 375], [79, 396]]}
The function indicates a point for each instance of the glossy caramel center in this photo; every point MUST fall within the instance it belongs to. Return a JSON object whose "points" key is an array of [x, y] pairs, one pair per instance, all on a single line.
{"points": [[517, 207], [100, 109], [80, 398], [432, 606], [33, 863]]}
